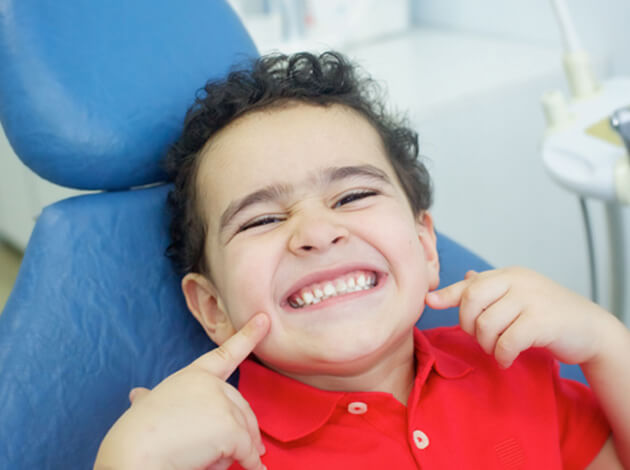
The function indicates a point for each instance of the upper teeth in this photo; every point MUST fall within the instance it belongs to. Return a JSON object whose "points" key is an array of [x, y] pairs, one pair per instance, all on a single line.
{"points": [[329, 289], [349, 283]]}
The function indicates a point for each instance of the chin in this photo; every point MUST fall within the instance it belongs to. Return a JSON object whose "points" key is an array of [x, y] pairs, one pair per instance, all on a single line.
{"points": [[357, 353]]}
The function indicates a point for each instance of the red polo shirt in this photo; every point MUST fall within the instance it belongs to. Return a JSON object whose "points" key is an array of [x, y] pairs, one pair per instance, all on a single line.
{"points": [[464, 412]]}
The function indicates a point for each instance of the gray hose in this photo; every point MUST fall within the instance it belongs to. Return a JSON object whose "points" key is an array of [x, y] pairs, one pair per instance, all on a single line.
{"points": [[591, 250], [617, 244]]}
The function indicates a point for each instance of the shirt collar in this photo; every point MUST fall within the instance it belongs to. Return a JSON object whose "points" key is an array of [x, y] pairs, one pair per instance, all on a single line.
{"points": [[430, 356], [287, 409]]}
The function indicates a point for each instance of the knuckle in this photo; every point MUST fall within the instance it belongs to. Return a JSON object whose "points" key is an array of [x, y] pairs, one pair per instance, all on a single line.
{"points": [[238, 418], [251, 462], [485, 333], [483, 325], [246, 451], [234, 396], [249, 414], [224, 354], [197, 381], [506, 347], [468, 296], [248, 330], [531, 319], [232, 424], [472, 293]]}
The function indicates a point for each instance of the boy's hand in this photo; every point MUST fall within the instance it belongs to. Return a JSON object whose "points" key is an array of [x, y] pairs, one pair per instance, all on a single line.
{"points": [[193, 419], [510, 310]]}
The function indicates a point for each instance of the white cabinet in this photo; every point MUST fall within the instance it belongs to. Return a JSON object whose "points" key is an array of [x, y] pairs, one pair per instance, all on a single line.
{"points": [[23, 194]]}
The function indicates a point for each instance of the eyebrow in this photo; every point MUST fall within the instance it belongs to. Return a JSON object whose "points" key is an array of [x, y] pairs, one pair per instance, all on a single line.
{"points": [[277, 191]]}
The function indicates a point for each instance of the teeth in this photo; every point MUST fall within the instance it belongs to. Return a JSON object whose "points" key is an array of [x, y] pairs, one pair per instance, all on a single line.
{"points": [[343, 285], [329, 290]]}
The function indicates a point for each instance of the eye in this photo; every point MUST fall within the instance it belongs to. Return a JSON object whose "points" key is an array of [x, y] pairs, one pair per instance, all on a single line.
{"points": [[264, 220], [354, 196]]}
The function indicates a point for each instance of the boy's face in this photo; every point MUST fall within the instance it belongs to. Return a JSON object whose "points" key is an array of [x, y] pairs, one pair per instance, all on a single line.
{"points": [[298, 199]]}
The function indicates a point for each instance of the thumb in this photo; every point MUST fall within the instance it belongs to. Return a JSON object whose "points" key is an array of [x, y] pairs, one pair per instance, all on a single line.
{"points": [[138, 393]]}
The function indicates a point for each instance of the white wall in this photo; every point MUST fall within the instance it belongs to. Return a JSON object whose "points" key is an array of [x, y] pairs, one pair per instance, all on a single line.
{"points": [[508, 209], [602, 24]]}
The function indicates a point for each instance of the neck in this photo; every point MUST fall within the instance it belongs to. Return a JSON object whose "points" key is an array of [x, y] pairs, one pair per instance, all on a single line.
{"points": [[395, 374]]}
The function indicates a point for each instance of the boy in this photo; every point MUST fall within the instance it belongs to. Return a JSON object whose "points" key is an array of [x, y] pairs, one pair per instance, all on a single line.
{"points": [[300, 218]]}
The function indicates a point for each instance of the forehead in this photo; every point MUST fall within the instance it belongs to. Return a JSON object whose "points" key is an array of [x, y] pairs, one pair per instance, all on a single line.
{"points": [[284, 145]]}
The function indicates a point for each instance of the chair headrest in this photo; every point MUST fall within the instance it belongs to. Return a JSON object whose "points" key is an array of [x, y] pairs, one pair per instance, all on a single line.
{"points": [[93, 93]]}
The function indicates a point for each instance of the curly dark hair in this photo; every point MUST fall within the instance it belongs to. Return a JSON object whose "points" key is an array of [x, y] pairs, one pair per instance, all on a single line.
{"points": [[273, 81]]}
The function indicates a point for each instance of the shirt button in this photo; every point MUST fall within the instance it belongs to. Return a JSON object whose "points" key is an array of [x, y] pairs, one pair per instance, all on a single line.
{"points": [[357, 408], [420, 439]]}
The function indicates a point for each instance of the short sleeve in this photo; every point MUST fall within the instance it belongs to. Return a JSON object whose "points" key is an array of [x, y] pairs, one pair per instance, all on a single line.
{"points": [[582, 424]]}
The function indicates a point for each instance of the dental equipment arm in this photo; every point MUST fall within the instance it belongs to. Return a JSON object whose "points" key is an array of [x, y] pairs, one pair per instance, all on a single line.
{"points": [[582, 152]]}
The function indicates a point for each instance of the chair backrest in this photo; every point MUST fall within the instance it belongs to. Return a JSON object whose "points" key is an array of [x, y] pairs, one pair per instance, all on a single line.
{"points": [[91, 94]]}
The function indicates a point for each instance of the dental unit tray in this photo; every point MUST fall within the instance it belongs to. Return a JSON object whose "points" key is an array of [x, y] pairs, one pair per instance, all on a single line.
{"points": [[582, 151]]}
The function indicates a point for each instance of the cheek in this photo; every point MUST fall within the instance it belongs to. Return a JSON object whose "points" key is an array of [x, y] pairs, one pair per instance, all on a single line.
{"points": [[398, 242], [395, 235], [247, 281]]}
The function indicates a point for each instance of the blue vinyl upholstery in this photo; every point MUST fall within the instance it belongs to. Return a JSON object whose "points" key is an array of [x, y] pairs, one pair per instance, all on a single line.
{"points": [[103, 86], [91, 94]]}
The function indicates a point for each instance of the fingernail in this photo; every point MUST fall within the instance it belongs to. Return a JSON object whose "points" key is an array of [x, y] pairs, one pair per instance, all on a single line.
{"points": [[259, 320], [433, 296], [132, 395]]}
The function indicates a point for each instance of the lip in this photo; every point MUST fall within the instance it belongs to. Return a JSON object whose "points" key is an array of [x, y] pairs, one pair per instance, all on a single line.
{"points": [[328, 274]]}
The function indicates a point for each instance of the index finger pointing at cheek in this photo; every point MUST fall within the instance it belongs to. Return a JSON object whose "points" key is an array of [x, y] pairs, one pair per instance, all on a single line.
{"points": [[224, 360], [447, 297]]}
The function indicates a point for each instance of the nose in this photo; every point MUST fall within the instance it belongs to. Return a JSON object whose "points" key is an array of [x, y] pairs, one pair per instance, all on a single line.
{"points": [[316, 234]]}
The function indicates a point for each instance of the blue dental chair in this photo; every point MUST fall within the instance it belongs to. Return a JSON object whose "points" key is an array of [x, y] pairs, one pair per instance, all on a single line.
{"points": [[91, 95]]}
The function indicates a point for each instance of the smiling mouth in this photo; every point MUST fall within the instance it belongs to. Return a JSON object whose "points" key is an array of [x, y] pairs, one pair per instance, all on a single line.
{"points": [[312, 294]]}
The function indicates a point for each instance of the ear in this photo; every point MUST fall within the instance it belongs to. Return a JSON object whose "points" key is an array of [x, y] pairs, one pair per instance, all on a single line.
{"points": [[426, 235], [207, 307]]}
